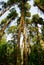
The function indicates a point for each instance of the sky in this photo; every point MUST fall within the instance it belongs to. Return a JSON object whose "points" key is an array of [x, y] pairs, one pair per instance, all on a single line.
{"points": [[3, 0]]}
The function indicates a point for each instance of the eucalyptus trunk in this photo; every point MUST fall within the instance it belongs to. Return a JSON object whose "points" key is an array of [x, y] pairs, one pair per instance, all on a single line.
{"points": [[25, 54], [4, 27], [20, 29], [6, 9]]}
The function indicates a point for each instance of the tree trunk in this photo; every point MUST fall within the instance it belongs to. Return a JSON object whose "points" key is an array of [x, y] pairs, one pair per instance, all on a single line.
{"points": [[20, 29], [25, 55], [40, 7], [5, 10], [4, 27]]}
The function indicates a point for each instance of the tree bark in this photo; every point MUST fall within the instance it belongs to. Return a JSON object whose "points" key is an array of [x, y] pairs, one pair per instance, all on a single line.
{"points": [[20, 29], [25, 55], [40, 7], [6, 9], [4, 27]]}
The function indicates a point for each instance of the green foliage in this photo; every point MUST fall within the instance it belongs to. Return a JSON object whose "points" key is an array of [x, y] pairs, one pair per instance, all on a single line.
{"points": [[12, 13], [37, 1], [3, 40], [10, 50], [5, 5], [3, 54], [34, 39], [24, 5], [36, 56], [28, 21], [35, 18], [8, 54], [27, 6], [3, 21], [12, 29], [40, 3], [41, 21], [10, 2], [28, 14]]}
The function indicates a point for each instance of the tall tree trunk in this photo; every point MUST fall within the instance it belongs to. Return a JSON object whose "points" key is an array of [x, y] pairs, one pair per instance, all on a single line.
{"points": [[25, 55], [20, 29]]}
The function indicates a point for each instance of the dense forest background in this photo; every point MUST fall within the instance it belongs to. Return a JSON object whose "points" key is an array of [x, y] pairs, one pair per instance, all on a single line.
{"points": [[21, 32]]}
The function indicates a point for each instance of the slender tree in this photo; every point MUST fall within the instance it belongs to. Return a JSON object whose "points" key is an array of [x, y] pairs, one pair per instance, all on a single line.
{"points": [[10, 16]]}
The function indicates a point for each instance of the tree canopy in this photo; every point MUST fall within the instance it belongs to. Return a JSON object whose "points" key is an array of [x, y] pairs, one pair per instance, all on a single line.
{"points": [[21, 42]]}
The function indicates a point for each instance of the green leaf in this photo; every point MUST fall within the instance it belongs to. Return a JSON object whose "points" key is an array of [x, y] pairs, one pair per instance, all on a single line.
{"points": [[27, 6], [12, 29], [3, 21], [28, 21], [28, 14], [12, 13]]}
